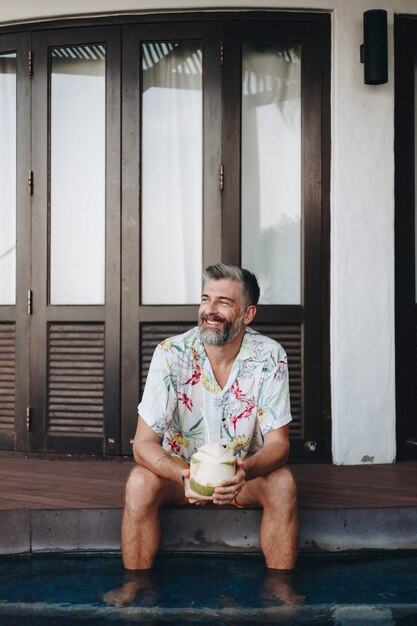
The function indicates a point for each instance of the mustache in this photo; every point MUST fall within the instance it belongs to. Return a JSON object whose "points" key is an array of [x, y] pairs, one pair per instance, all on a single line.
{"points": [[212, 318]]}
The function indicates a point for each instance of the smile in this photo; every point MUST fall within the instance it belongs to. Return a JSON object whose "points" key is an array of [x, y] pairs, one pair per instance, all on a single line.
{"points": [[213, 322]]}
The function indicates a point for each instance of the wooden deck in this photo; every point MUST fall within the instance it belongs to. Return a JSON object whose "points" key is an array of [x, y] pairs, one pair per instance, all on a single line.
{"points": [[39, 483]]}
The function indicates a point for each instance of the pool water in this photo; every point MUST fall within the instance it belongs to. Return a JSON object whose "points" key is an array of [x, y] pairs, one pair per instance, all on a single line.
{"points": [[67, 590]]}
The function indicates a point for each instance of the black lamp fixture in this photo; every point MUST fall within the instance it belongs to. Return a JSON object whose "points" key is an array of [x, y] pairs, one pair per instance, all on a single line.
{"points": [[374, 50]]}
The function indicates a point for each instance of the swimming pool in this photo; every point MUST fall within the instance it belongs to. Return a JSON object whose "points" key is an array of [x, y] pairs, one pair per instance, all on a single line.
{"points": [[93, 589]]}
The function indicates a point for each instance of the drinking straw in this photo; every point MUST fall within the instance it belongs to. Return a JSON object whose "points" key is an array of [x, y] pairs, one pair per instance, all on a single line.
{"points": [[206, 423]]}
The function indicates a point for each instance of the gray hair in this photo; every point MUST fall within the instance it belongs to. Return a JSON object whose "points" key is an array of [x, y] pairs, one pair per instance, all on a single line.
{"points": [[247, 280]]}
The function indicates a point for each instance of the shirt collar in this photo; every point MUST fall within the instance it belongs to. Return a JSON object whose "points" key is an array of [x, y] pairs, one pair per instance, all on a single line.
{"points": [[246, 348]]}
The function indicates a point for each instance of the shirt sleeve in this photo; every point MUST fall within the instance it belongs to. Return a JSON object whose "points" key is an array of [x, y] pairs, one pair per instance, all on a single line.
{"points": [[159, 398], [274, 408]]}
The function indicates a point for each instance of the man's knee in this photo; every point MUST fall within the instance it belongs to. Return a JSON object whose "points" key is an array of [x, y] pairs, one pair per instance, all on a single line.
{"points": [[280, 488], [142, 489]]}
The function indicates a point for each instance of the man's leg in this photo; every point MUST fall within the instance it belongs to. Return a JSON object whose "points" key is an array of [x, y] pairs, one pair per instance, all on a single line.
{"points": [[146, 492], [276, 493]]}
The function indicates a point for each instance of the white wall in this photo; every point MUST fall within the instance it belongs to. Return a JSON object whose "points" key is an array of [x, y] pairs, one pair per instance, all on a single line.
{"points": [[362, 213], [362, 244]]}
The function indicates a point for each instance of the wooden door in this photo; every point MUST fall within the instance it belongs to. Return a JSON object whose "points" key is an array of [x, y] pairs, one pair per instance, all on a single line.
{"points": [[14, 240], [75, 241], [302, 327], [134, 139], [405, 238]]}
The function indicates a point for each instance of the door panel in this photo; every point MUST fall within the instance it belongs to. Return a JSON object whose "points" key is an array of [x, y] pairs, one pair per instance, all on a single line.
{"points": [[14, 227], [405, 239], [306, 44], [144, 319], [76, 223], [7, 383], [76, 379]]}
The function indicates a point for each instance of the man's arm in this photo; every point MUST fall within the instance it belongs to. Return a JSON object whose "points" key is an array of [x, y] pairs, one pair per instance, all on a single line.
{"points": [[148, 451], [271, 456]]}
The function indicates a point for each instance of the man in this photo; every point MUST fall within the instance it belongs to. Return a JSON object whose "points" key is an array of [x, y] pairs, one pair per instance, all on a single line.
{"points": [[237, 380]]}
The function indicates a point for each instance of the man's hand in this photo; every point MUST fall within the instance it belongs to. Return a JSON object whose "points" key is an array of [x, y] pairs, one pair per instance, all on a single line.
{"points": [[193, 497], [229, 488]]}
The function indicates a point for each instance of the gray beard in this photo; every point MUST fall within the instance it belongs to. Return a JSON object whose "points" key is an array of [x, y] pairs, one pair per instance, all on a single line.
{"points": [[217, 337]]}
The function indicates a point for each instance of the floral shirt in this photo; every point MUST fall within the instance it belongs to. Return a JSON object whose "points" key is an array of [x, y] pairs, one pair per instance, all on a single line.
{"points": [[184, 404]]}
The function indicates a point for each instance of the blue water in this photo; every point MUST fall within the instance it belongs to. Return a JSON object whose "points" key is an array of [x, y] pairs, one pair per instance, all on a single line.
{"points": [[229, 589]]}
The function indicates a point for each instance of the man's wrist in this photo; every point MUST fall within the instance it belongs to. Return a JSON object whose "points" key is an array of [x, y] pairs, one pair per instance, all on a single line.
{"points": [[178, 476], [246, 468]]}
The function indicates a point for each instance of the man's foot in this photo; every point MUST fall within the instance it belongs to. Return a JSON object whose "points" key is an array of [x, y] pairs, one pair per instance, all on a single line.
{"points": [[278, 585], [124, 596]]}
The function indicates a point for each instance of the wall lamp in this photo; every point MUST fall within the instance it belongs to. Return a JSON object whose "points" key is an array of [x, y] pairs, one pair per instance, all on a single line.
{"points": [[374, 50]]}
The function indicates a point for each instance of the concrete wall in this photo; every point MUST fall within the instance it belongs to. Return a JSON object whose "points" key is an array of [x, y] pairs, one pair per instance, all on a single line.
{"points": [[362, 212]]}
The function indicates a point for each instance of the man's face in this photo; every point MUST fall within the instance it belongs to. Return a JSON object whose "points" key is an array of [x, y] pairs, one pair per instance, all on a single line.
{"points": [[221, 313]]}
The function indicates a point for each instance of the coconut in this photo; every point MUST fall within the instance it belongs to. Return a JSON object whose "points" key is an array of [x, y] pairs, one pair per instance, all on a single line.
{"points": [[209, 466]]}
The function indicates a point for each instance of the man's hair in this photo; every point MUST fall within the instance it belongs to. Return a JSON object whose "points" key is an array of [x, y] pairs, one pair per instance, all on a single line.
{"points": [[247, 280]]}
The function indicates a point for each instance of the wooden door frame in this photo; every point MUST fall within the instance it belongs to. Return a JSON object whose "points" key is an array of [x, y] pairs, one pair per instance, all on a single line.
{"points": [[214, 247], [405, 32]]}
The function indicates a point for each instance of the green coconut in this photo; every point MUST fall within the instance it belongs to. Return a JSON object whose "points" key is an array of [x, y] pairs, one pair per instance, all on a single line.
{"points": [[209, 466]]}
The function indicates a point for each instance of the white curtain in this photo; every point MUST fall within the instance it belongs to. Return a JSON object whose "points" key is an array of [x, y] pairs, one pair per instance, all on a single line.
{"points": [[8, 179], [78, 151], [271, 169], [171, 174]]}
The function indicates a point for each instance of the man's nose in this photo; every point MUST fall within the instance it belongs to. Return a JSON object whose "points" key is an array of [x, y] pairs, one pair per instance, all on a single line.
{"points": [[211, 307]]}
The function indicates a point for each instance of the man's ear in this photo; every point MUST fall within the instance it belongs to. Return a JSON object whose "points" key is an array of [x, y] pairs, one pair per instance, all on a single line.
{"points": [[250, 314]]}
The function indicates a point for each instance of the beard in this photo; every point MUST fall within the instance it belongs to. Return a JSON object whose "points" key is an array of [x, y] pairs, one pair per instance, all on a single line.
{"points": [[219, 336]]}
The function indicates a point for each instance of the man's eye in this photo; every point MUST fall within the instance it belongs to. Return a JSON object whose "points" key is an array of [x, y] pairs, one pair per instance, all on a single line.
{"points": [[225, 302]]}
